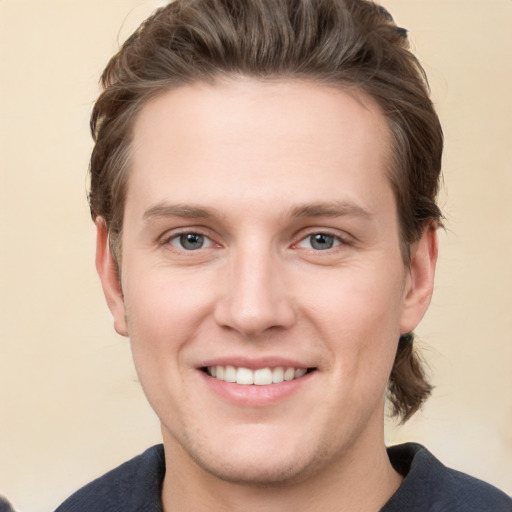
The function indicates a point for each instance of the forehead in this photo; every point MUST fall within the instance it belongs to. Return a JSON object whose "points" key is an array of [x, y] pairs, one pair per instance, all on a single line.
{"points": [[260, 142]]}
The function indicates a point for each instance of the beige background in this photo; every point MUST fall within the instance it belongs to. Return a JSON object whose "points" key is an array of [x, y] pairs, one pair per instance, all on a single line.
{"points": [[70, 406]]}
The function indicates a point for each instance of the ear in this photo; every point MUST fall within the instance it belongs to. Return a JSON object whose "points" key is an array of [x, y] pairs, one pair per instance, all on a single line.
{"points": [[107, 270], [420, 281]]}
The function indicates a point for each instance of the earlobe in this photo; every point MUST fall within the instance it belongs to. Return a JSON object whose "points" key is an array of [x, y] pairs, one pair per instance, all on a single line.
{"points": [[420, 283], [107, 270]]}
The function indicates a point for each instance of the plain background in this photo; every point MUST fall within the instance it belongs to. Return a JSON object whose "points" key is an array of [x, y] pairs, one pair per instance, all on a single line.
{"points": [[70, 404]]}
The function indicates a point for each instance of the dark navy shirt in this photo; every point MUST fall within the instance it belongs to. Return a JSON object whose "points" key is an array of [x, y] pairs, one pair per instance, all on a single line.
{"points": [[428, 486], [5, 506]]}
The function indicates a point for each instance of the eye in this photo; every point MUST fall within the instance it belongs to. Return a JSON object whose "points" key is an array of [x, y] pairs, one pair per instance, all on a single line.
{"points": [[190, 241], [319, 242]]}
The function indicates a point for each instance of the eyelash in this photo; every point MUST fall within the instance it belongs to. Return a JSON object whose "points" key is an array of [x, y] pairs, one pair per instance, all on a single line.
{"points": [[178, 238], [335, 239]]}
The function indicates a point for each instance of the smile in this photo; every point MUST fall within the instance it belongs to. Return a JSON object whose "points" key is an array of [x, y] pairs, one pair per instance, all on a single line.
{"points": [[259, 377]]}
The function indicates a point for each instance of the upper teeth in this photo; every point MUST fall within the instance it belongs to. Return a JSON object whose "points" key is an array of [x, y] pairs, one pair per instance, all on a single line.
{"points": [[260, 377]]}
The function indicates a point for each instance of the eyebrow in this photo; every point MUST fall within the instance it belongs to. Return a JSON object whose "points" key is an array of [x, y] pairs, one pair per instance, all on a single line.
{"points": [[330, 209], [179, 210], [327, 209]]}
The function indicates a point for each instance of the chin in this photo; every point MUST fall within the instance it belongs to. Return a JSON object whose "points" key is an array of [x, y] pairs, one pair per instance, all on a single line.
{"points": [[253, 473], [258, 462]]}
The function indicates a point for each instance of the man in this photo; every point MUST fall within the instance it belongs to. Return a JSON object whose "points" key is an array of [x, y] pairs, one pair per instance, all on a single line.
{"points": [[263, 184], [5, 506]]}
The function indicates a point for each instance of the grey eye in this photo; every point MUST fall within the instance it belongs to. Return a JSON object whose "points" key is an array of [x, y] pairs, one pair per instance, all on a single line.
{"points": [[321, 241], [191, 241]]}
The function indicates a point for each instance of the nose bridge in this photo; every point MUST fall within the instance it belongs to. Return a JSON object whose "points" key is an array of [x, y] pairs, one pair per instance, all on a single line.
{"points": [[256, 297]]}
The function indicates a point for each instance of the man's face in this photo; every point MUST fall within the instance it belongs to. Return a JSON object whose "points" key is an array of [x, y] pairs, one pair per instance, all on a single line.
{"points": [[261, 244]]}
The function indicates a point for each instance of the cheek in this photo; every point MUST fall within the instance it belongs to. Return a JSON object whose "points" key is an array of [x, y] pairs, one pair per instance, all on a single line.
{"points": [[163, 311], [359, 317], [357, 298], [163, 316]]}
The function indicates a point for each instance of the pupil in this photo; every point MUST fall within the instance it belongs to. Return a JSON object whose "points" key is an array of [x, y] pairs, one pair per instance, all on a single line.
{"points": [[191, 241], [321, 241]]}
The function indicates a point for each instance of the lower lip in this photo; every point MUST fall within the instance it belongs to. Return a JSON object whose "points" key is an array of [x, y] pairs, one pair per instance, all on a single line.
{"points": [[254, 395]]}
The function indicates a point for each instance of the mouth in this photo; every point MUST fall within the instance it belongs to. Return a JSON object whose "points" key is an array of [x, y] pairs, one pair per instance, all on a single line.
{"points": [[258, 377]]}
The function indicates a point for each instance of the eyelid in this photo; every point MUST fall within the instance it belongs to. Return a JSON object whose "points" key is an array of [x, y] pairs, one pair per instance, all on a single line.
{"points": [[337, 242], [174, 234], [342, 238], [208, 242]]}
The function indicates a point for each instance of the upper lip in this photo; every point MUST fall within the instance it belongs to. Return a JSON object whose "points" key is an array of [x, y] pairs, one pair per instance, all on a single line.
{"points": [[255, 363]]}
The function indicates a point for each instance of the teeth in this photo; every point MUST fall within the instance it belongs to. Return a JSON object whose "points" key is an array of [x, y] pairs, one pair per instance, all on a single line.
{"points": [[244, 376], [277, 375], [263, 377], [260, 377], [300, 372], [289, 374], [230, 375]]}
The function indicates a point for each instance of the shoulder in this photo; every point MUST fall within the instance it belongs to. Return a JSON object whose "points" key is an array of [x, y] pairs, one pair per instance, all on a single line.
{"points": [[429, 486], [133, 486], [5, 506]]}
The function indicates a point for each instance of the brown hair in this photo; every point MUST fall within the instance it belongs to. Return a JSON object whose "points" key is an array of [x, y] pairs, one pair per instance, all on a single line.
{"points": [[352, 44]]}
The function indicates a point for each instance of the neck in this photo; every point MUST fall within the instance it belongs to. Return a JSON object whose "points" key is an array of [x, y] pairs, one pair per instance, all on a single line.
{"points": [[361, 480]]}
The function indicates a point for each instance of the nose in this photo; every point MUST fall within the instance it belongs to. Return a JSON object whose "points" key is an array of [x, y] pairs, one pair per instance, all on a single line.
{"points": [[255, 297]]}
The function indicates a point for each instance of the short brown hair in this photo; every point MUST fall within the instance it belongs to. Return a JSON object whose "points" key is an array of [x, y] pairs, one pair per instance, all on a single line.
{"points": [[351, 44]]}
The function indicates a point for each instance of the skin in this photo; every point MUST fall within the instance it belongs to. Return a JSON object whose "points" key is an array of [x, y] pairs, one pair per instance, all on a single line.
{"points": [[257, 168]]}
